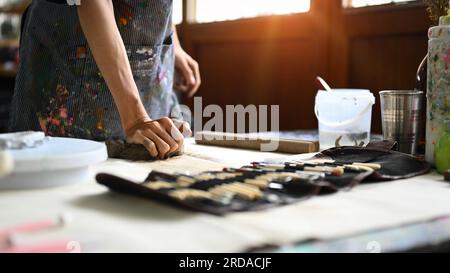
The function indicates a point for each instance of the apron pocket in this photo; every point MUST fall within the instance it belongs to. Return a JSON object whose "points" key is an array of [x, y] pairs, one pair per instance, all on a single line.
{"points": [[143, 61]]}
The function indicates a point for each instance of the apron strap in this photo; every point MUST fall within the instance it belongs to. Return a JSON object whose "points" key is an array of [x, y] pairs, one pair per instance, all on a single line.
{"points": [[22, 23]]}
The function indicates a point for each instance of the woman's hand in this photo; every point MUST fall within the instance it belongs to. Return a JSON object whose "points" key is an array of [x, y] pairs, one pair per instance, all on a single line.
{"points": [[189, 72], [187, 68], [162, 138]]}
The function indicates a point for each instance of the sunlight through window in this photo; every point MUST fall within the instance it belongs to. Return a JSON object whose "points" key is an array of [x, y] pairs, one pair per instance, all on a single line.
{"points": [[365, 3], [221, 10], [177, 16]]}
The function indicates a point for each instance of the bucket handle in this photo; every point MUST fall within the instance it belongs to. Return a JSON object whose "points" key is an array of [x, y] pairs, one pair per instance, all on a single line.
{"points": [[344, 123]]}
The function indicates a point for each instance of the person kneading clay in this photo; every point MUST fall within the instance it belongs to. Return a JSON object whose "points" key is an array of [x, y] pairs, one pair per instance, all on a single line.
{"points": [[103, 70]]}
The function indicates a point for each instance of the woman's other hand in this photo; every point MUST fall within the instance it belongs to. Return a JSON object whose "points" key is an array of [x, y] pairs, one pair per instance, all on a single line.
{"points": [[188, 70], [189, 73]]}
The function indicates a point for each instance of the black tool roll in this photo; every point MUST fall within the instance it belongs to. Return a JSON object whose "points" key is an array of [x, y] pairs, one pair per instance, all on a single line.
{"points": [[394, 165], [263, 185]]}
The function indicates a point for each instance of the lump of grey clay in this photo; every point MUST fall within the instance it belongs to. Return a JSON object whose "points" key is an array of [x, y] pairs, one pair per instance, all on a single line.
{"points": [[122, 150]]}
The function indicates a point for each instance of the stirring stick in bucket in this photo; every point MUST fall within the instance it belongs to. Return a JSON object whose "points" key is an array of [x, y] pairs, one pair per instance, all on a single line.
{"points": [[323, 84]]}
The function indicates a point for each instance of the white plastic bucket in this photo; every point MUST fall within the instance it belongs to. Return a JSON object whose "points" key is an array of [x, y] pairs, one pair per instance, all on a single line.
{"points": [[345, 117]]}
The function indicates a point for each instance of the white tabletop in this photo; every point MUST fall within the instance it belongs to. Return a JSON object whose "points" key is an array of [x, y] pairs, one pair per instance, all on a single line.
{"points": [[111, 222]]}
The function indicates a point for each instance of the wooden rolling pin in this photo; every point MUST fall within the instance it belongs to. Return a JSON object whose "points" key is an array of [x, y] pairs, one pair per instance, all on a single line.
{"points": [[242, 141]]}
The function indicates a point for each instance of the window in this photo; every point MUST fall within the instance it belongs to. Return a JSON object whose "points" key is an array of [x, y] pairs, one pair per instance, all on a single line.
{"points": [[221, 10], [365, 3], [177, 15]]}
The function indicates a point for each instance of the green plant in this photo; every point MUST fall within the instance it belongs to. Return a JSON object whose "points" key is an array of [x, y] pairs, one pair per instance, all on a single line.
{"points": [[437, 8]]}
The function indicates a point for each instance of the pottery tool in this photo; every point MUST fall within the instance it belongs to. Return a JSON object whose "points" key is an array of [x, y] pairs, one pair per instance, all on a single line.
{"points": [[328, 170], [356, 166], [6, 163], [245, 191], [190, 194], [260, 183], [16, 239], [159, 185], [339, 169], [185, 181], [7, 235], [272, 174], [56, 246], [244, 141], [287, 182]]}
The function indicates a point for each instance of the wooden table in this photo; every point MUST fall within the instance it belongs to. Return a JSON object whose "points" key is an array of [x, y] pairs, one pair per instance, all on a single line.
{"points": [[110, 222]]}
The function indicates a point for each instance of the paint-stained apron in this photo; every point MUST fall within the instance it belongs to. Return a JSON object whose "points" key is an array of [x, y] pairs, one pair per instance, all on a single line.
{"points": [[59, 88]]}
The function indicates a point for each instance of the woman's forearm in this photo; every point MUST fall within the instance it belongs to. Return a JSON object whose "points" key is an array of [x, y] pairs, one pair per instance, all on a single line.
{"points": [[98, 23], [176, 39]]}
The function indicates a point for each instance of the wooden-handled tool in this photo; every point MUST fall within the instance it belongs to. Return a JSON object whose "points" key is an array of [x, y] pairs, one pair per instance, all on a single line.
{"points": [[6, 163], [242, 141]]}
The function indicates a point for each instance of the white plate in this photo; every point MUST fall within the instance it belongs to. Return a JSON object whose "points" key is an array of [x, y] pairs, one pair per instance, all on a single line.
{"points": [[59, 161]]}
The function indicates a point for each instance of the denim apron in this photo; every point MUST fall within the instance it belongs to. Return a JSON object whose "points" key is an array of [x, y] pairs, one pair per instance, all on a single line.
{"points": [[59, 88]]}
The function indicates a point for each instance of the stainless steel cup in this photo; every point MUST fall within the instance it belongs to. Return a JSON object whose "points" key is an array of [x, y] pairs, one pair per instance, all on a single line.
{"points": [[400, 115]]}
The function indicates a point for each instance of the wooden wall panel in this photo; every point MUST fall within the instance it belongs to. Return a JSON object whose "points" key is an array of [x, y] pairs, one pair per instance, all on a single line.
{"points": [[269, 73], [385, 62], [378, 49], [263, 61], [274, 60]]}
